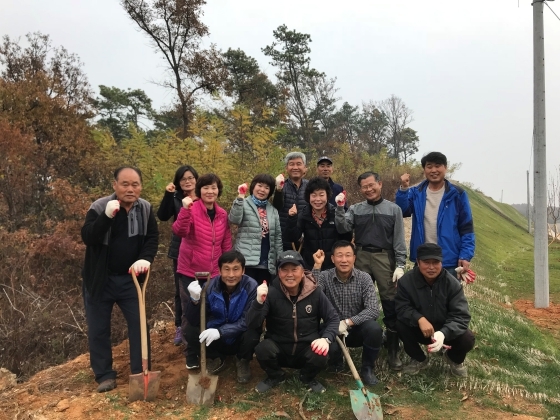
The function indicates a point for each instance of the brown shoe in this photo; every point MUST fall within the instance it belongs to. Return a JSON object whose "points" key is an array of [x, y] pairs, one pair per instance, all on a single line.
{"points": [[107, 385]]}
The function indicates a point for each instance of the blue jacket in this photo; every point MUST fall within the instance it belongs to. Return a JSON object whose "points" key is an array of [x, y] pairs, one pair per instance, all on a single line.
{"points": [[455, 228], [228, 320]]}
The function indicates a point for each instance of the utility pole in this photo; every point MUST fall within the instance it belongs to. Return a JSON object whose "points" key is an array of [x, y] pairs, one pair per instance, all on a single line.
{"points": [[528, 205], [539, 163]]}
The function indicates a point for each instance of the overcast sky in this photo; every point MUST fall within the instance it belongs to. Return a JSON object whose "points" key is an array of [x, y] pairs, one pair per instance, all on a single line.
{"points": [[464, 68]]}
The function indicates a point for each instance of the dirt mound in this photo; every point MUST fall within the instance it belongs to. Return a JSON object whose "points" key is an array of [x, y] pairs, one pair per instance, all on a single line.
{"points": [[546, 318]]}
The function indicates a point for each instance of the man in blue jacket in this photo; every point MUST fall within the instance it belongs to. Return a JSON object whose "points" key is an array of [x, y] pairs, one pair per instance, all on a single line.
{"points": [[441, 213], [228, 297]]}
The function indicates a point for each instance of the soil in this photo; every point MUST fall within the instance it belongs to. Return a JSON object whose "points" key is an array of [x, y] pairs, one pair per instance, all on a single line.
{"points": [[545, 318]]}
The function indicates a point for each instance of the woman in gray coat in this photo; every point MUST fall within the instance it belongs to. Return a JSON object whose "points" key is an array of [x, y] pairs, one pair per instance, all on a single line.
{"points": [[259, 237]]}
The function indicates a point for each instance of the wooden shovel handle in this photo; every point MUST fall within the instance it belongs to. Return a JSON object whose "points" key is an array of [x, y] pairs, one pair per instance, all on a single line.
{"points": [[142, 309], [344, 349]]}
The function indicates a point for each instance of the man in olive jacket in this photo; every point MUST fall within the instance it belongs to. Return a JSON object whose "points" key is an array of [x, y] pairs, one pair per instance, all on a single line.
{"points": [[432, 309]]}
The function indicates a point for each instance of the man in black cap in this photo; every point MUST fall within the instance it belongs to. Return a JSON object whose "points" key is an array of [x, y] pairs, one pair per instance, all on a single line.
{"points": [[432, 309], [325, 170], [293, 308]]}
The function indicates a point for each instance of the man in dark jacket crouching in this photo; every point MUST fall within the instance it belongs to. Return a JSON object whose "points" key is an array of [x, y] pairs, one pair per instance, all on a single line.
{"points": [[432, 309], [228, 297], [293, 308]]}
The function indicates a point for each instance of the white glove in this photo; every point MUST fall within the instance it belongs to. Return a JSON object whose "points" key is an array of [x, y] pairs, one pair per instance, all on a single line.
{"points": [[209, 335], [112, 208], [194, 290], [320, 346], [437, 342], [343, 329], [280, 182], [340, 199], [187, 202], [262, 292], [140, 267], [397, 274]]}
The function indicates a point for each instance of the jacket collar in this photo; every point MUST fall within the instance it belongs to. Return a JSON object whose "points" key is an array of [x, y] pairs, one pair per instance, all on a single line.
{"points": [[424, 185]]}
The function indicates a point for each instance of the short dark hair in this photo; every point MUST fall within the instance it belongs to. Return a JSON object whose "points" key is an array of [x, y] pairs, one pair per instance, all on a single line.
{"points": [[367, 175], [231, 256], [263, 179], [208, 179], [343, 244], [120, 168], [317, 183], [434, 157], [179, 174]]}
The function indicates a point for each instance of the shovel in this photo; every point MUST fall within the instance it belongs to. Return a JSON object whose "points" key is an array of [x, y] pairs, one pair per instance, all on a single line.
{"points": [[365, 404], [202, 388], [145, 385]]}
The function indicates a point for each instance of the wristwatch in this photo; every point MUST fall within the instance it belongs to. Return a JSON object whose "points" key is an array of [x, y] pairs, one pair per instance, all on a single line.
{"points": [[328, 341], [347, 323]]}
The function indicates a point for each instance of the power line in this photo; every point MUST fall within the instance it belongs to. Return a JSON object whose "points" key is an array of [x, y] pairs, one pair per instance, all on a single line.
{"points": [[546, 2]]}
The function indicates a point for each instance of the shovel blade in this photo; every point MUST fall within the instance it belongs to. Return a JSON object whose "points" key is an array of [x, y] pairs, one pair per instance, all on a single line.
{"points": [[143, 386], [201, 389], [366, 408]]}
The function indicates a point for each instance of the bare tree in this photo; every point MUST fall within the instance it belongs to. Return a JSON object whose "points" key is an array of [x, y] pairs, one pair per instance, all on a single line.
{"points": [[175, 29], [398, 117], [553, 208]]}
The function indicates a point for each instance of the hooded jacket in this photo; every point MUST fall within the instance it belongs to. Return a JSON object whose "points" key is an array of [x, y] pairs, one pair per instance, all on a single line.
{"points": [[455, 230], [290, 323], [203, 241], [443, 303]]}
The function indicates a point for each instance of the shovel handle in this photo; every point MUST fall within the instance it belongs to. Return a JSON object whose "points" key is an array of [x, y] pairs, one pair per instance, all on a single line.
{"points": [[346, 353], [142, 309], [202, 303]]}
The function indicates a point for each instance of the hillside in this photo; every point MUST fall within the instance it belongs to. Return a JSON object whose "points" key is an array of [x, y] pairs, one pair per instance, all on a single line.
{"points": [[514, 368]]}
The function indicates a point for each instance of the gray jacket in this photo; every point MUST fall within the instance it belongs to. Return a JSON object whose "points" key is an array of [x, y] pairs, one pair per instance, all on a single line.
{"points": [[244, 214]]}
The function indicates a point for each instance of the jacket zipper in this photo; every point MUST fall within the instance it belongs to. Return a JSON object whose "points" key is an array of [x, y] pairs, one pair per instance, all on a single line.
{"points": [[294, 316]]}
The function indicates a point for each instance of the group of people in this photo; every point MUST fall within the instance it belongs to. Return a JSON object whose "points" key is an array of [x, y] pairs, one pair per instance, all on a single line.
{"points": [[301, 270]]}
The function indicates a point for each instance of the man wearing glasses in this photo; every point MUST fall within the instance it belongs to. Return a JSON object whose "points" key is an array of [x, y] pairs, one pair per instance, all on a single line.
{"points": [[381, 249]]}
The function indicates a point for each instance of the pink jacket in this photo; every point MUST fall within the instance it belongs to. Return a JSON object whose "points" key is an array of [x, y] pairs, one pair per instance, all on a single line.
{"points": [[203, 242]]}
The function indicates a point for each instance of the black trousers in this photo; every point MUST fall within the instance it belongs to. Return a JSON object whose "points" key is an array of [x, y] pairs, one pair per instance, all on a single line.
{"points": [[184, 281], [368, 334], [412, 336], [178, 307], [259, 274], [272, 357], [243, 347], [118, 290]]}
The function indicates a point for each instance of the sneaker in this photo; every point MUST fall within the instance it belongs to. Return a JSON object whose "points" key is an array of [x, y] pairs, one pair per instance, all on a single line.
{"points": [[313, 385], [107, 385], [178, 339], [269, 383], [214, 365], [192, 362], [415, 366], [243, 371], [457, 369]]}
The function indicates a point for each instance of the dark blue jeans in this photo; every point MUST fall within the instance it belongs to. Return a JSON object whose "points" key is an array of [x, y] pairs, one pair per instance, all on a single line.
{"points": [[118, 290]]}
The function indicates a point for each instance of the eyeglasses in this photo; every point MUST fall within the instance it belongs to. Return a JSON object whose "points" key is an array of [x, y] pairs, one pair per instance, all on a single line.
{"points": [[188, 179], [368, 187]]}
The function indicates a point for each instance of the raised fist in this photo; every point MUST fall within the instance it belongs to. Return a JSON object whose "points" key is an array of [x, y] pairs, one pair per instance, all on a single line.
{"points": [[170, 187], [405, 180], [262, 292], [187, 202], [293, 210], [319, 257], [112, 208], [280, 182], [340, 199], [242, 189]]}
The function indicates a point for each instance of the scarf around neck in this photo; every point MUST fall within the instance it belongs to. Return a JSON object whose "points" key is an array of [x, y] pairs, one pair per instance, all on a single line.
{"points": [[259, 203]]}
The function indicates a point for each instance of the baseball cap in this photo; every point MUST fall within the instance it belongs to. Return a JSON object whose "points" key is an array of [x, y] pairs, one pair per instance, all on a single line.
{"points": [[322, 158], [289, 257], [429, 251]]}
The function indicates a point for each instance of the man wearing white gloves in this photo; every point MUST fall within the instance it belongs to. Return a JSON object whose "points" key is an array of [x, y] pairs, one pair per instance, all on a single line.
{"points": [[121, 234], [293, 307], [228, 298], [432, 309], [353, 296], [381, 250]]}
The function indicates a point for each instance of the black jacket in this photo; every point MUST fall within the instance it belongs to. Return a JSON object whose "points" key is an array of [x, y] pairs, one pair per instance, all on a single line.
{"points": [[169, 207], [443, 304], [282, 326], [314, 236], [283, 200], [96, 234]]}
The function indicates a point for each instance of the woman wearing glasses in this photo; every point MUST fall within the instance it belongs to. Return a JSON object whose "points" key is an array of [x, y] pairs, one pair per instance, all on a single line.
{"points": [[182, 186]]}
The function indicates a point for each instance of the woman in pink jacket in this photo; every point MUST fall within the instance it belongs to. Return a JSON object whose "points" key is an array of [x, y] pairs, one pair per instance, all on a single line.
{"points": [[204, 229]]}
